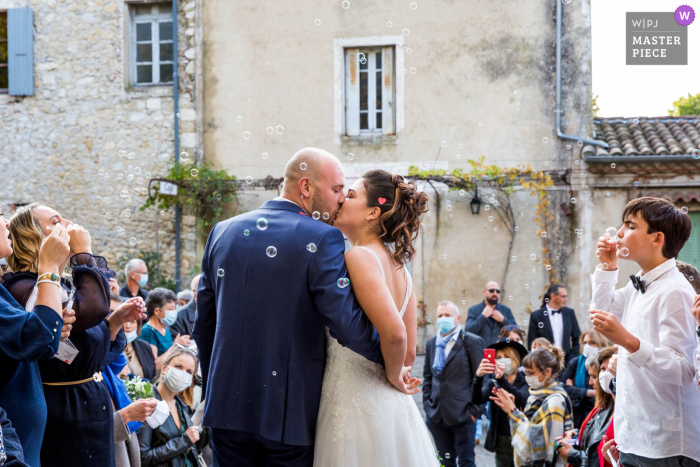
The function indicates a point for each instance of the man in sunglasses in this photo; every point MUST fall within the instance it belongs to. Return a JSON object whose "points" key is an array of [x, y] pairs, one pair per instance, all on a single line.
{"points": [[487, 318]]}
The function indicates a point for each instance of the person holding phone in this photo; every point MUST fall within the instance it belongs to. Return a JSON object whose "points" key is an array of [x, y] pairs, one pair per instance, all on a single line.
{"points": [[451, 360], [501, 371]]}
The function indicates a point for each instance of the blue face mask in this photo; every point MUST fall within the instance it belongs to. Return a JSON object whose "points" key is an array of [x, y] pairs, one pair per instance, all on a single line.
{"points": [[446, 324], [131, 336], [144, 280], [170, 317]]}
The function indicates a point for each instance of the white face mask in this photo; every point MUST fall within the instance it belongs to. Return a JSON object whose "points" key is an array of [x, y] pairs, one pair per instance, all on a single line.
{"points": [[604, 379], [177, 380], [131, 336], [508, 364], [589, 350], [534, 382]]}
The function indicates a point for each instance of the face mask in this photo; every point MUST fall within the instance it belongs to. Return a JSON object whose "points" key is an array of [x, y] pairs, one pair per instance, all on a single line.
{"points": [[144, 280], [534, 382], [506, 361], [446, 324], [177, 380], [589, 350], [604, 379], [170, 317], [131, 336]]}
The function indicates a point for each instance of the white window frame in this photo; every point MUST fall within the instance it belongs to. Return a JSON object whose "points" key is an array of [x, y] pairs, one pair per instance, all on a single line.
{"points": [[339, 75], [154, 19]]}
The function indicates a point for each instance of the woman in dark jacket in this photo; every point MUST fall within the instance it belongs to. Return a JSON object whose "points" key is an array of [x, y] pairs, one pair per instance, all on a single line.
{"points": [[77, 400], [508, 356], [142, 363], [177, 442], [576, 378]]}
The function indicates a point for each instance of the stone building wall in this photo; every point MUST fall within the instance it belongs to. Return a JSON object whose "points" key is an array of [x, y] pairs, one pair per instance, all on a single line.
{"points": [[60, 146]]}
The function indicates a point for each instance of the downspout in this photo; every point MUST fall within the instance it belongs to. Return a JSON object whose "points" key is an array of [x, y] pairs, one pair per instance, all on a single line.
{"points": [[176, 117], [558, 111]]}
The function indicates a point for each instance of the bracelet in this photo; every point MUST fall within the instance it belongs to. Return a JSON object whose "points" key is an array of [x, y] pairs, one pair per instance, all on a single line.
{"points": [[58, 284], [51, 275]]}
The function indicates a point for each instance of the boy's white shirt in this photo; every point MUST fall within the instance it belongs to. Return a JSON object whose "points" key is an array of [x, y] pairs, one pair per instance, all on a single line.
{"points": [[658, 403]]}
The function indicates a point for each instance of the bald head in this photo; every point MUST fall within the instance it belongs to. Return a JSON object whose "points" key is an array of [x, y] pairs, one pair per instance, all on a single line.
{"points": [[317, 164], [492, 292]]}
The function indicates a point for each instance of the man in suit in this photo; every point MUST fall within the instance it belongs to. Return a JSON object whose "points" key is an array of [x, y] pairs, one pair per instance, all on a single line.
{"points": [[486, 319], [185, 315], [451, 360], [555, 322], [269, 285]]}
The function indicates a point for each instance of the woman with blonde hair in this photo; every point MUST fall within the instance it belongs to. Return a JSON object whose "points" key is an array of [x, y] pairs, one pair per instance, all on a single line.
{"points": [[74, 392]]}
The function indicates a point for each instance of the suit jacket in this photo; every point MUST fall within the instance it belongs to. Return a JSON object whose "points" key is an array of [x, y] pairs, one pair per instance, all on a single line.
{"points": [[185, 319], [260, 321], [487, 328], [143, 352], [570, 336], [447, 396]]}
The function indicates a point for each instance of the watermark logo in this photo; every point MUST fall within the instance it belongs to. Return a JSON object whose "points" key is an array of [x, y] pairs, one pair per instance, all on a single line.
{"points": [[655, 38]]}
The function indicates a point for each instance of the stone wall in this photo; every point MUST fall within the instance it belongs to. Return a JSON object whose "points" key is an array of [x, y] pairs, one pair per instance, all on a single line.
{"points": [[60, 147]]}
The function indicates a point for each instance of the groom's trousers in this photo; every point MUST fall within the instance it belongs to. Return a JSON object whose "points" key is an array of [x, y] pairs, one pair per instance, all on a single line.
{"points": [[454, 443], [240, 449]]}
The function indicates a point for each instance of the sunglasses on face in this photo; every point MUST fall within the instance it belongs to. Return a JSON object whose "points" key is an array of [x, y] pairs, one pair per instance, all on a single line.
{"points": [[494, 290]]}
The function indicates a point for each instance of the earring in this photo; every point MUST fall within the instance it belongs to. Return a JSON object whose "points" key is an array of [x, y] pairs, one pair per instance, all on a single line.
{"points": [[367, 222], [302, 196]]}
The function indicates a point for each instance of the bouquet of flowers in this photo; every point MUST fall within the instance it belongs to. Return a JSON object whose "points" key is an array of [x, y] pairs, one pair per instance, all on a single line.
{"points": [[138, 389]]}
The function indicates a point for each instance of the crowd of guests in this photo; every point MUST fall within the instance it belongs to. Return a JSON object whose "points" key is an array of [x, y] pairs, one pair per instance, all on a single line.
{"points": [[71, 340]]}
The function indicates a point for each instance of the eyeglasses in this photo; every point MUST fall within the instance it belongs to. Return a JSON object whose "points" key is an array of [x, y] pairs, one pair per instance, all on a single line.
{"points": [[511, 327], [494, 290], [182, 347]]}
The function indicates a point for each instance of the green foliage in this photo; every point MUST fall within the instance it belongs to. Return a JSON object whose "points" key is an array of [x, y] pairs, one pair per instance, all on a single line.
{"points": [[206, 193], [686, 106], [155, 277], [594, 106]]}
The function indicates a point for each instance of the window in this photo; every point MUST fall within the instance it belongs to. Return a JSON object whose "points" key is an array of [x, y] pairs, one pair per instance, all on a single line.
{"points": [[369, 91], [4, 78], [152, 44], [691, 250]]}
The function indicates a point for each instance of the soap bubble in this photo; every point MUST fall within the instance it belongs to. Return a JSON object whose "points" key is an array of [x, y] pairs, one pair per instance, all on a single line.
{"points": [[162, 213], [120, 176], [533, 257], [346, 4], [303, 166], [444, 256], [130, 177], [514, 258], [635, 121], [316, 215], [264, 155], [261, 223], [464, 302], [690, 278], [194, 172], [548, 267], [490, 218], [460, 146], [137, 170], [579, 143], [598, 254], [576, 162], [101, 172], [624, 251], [338, 168], [132, 241], [249, 179], [611, 232], [220, 273], [612, 165], [144, 190], [443, 144], [246, 232], [413, 71], [343, 282], [543, 234], [317, 22], [684, 210], [239, 119], [351, 156], [148, 174], [516, 228], [270, 130], [361, 57], [527, 286], [131, 155], [184, 156], [246, 134], [447, 455], [414, 6], [540, 325], [545, 140], [271, 251], [325, 216], [218, 196], [406, 32], [389, 24], [568, 146], [122, 153], [130, 168], [696, 153], [449, 207], [573, 200], [486, 207], [462, 192], [605, 265], [311, 247]]}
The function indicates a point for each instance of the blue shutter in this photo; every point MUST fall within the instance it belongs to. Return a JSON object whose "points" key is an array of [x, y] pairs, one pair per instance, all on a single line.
{"points": [[20, 42]]}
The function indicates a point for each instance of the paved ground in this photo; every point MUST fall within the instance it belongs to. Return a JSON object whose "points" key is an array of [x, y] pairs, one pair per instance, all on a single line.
{"points": [[483, 457]]}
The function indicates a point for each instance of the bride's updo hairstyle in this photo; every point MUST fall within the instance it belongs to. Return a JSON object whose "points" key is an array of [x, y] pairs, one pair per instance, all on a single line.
{"points": [[401, 205]]}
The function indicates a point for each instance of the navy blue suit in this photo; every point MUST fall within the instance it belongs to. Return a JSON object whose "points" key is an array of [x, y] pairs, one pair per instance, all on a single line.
{"points": [[260, 330], [487, 328]]}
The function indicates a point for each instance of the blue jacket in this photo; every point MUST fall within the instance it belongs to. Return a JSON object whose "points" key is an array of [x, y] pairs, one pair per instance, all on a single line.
{"points": [[487, 328], [261, 317]]}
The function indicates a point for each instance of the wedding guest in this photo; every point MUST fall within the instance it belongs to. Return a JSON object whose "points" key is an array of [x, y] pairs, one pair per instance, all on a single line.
{"points": [[576, 378], [547, 415], [177, 442], [649, 320], [184, 297], [160, 307], [514, 333], [556, 322], [487, 318], [607, 448], [28, 337], [452, 358], [75, 396], [184, 323], [596, 423], [540, 342], [504, 374], [136, 273]]}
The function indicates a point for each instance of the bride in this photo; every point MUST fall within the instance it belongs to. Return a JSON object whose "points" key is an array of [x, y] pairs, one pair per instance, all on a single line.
{"points": [[367, 416]]}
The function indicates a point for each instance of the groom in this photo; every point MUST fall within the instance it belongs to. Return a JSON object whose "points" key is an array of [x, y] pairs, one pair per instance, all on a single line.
{"points": [[271, 281]]}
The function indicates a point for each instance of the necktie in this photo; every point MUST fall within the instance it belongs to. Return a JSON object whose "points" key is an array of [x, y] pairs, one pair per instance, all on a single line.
{"points": [[638, 283], [554, 312]]}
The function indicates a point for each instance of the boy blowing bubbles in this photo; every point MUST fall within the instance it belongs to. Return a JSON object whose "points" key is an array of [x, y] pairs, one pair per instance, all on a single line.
{"points": [[657, 403]]}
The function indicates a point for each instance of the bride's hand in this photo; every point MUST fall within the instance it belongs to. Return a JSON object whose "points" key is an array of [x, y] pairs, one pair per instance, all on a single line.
{"points": [[406, 383]]}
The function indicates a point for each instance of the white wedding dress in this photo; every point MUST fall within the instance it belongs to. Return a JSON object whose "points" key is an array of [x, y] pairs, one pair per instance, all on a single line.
{"points": [[364, 421]]}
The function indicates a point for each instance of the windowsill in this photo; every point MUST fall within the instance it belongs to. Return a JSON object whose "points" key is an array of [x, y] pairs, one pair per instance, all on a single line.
{"points": [[369, 140], [151, 90]]}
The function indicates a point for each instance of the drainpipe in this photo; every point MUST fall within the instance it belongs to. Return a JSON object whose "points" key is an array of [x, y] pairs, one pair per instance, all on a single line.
{"points": [[560, 134], [177, 143]]}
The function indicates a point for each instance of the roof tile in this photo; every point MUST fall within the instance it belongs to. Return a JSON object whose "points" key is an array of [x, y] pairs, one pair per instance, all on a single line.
{"points": [[661, 136]]}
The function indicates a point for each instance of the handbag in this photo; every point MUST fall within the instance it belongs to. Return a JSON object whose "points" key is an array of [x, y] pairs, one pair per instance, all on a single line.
{"points": [[200, 460]]}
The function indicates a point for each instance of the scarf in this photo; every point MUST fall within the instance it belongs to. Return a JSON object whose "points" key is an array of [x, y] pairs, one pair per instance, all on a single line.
{"points": [[440, 344], [117, 389], [580, 380]]}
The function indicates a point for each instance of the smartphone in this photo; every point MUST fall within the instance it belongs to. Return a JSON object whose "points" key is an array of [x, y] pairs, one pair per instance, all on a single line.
{"points": [[490, 355]]}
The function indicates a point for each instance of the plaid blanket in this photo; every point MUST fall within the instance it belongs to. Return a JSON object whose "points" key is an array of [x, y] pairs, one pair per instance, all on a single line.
{"points": [[547, 416]]}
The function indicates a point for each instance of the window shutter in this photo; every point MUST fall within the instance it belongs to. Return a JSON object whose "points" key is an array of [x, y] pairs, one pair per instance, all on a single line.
{"points": [[388, 91], [691, 250], [352, 93], [20, 64]]}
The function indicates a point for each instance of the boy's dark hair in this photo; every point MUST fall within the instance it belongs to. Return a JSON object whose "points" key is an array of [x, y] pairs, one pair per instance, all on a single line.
{"points": [[158, 298], [662, 216], [691, 273]]}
